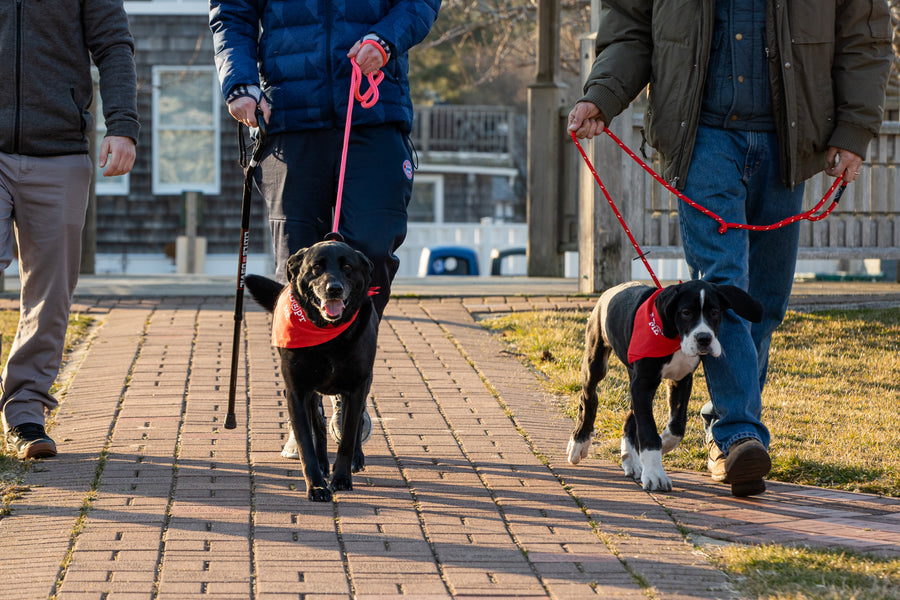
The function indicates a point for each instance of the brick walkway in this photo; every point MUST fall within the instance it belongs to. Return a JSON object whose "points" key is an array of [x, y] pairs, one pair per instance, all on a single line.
{"points": [[466, 492]]}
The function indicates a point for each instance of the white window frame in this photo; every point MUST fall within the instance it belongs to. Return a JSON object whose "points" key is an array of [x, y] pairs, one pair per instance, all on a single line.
{"points": [[161, 188], [120, 185], [438, 181], [167, 7]]}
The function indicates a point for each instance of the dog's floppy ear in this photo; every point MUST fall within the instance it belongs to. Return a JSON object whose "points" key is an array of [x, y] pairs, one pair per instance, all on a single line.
{"points": [[666, 305], [740, 302], [293, 264]]}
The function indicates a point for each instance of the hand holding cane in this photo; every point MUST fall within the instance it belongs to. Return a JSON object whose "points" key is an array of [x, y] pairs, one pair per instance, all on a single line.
{"points": [[230, 421]]}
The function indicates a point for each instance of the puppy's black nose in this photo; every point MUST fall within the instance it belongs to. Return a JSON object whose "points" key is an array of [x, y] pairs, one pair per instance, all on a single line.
{"points": [[334, 289], [704, 339]]}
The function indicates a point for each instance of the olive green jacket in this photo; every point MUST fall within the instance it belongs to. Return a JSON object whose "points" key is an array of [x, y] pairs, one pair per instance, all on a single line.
{"points": [[828, 67]]}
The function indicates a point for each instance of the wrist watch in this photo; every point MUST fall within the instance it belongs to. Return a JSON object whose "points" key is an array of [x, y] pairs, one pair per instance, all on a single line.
{"points": [[377, 39]]}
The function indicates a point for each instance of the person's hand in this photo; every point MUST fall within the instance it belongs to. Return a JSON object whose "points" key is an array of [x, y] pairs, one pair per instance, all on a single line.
{"points": [[586, 120], [117, 154], [367, 57], [843, 163], [243, 109]]}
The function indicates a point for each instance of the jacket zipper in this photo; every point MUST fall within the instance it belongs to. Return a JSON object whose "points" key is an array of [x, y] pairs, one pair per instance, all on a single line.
{"points": [[701, 59], [18, 77]]}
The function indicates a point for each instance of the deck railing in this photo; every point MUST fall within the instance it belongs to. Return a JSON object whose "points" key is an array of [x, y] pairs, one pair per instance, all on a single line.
{"points": [[464, 129]]}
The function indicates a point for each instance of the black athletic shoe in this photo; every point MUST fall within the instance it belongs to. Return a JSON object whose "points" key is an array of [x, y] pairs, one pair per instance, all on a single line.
{"points": [[29, 440]]}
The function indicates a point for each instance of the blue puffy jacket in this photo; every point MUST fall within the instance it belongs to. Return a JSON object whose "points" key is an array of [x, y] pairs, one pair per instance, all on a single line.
{"points": [[296, 50]]}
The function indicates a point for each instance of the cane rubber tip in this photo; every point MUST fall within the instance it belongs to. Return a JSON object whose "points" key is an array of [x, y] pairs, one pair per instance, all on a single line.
{"points": [[230, 422]]}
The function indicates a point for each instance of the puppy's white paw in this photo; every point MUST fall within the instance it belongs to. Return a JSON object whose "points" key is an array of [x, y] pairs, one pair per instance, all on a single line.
{"points": [[631, 464], [577, 450], [654, 478], [669, 441]]}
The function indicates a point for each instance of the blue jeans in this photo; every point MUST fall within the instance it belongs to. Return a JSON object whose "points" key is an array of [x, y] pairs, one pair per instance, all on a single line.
{"points": [[736, 174]]}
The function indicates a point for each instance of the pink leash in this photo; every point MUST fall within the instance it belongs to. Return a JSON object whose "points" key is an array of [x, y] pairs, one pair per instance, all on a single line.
{"points": [[367, 100], [810, 215]]}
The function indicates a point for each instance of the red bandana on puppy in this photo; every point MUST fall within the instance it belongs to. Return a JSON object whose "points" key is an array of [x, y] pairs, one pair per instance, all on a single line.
{"points": [[647, 339]]}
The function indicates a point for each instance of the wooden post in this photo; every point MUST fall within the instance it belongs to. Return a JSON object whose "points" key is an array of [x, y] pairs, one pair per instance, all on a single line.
{"points": [[191, 210], [545, 97], [604, 252]]}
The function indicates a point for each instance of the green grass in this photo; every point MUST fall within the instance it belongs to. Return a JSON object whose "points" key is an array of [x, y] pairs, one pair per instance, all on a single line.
{"points": [[12, 470], [789, 573], [830, 402]]}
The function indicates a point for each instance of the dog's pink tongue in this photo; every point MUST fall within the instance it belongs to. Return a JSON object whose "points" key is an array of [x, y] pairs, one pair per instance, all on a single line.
{"points": [[334, 308]]}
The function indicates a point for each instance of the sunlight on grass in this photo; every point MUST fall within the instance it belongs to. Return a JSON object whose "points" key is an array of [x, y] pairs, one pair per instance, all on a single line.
{"points": [[831, 402], [787, 573]]}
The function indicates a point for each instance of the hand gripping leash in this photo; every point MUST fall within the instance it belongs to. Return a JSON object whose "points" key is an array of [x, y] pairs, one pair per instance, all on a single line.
{"points": [[230, 421], [367, 100]]}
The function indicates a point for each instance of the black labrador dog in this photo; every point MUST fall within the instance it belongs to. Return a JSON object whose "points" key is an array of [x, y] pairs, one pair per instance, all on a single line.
{"points": [[326, 328], [658, 335]]}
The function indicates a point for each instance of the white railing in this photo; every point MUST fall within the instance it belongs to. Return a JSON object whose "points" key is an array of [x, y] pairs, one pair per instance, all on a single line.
{"points": [[480, 237], [464, 129]]}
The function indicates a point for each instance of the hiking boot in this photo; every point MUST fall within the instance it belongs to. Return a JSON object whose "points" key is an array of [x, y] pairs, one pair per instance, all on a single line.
{"points": [[715, 462], [746, 463], [337, 421], [29, 440]]}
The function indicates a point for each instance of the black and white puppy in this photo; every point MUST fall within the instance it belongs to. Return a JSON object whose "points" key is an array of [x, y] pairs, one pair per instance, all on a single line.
{"points": [[325, 327], [658, 335]]}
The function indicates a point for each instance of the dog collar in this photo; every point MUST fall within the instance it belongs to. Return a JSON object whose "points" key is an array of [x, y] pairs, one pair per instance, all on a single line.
{"points": [[647, 339], [292, 329]]}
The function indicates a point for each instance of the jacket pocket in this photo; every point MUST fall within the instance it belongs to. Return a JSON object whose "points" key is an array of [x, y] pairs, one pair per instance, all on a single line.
{"points": [[84, 117], [880, 21], [811, 22]]}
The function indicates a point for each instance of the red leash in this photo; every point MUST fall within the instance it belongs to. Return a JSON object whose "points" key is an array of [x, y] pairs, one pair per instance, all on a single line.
{"points": [[812, 214], [367, 100], [612, 204]]}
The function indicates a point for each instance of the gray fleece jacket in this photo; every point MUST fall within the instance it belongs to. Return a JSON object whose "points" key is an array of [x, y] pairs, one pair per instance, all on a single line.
{"points": [[46, 92]]}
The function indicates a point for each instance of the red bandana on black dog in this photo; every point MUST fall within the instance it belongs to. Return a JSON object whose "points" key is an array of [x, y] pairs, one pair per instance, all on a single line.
{"points": [[647, 339], [292, 329]]}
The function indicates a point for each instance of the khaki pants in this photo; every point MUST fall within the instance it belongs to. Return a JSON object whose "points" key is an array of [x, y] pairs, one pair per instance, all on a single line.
{"points": [[43, 200]]}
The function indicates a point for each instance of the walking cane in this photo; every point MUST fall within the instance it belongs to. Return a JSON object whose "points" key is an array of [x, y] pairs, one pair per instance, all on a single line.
{"points": [[230, 421]]}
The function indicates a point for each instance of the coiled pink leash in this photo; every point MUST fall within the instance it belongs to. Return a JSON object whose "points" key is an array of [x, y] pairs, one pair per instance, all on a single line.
{"points": [[366, 100]]}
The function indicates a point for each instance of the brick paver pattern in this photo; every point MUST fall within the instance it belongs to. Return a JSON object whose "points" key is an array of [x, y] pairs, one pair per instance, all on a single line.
{"points": [[466, 492]]}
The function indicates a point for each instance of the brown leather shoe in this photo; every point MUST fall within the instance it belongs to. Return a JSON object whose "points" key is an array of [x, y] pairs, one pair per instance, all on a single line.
{"points": [[746, 463], [715, 462]]}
